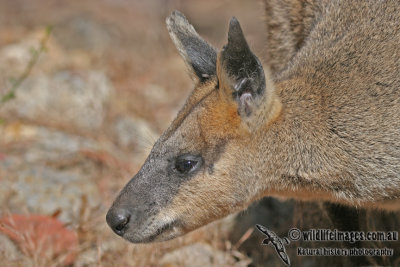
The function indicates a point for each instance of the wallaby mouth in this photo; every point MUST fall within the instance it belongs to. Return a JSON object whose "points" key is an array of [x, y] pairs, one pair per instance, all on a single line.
{"points": [[166, 232], [153, 229], [154, 232]]}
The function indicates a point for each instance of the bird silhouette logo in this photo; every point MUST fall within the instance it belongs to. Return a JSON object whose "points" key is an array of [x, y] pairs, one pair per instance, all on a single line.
{"points": [[276, 242]]}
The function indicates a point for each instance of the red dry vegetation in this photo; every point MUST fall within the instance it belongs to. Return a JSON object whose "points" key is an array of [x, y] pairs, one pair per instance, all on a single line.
{"points": [[41, 236]]}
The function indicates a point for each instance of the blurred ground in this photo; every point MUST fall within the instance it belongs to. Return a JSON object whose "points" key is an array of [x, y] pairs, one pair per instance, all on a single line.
{"points": [[82, 123]]}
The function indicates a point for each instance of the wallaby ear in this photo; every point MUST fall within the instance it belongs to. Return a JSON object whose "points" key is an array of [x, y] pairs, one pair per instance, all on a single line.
{"points": [[240, 73], [199, 56]]}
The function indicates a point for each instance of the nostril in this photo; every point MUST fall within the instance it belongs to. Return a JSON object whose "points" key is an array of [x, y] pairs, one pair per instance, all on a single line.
{"points": [[118, 220], [123, 219]]}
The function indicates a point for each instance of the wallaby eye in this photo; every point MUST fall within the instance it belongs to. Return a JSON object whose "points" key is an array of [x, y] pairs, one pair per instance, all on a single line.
{"points": [[187, 163], [185, 166]]}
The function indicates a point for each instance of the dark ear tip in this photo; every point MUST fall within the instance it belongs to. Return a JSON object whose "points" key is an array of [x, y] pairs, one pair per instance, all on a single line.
{"points": [[234, 22], [234, 26], [235, 33]]}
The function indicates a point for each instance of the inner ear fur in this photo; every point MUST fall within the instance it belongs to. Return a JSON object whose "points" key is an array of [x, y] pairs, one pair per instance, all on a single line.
{"points": [[240, 72]]}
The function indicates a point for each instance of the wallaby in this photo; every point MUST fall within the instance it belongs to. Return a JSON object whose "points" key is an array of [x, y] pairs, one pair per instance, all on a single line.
{"points": [[320, 122]]}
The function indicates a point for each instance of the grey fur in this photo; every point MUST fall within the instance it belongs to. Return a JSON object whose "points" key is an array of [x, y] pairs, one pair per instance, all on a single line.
{"points": [[198, 54]]}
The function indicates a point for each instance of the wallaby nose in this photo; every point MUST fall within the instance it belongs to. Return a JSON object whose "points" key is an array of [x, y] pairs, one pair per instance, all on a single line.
{"points": [[118, 219]]}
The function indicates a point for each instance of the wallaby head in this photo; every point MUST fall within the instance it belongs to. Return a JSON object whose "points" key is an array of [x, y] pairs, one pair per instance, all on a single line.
{"points": [[187, 180]]}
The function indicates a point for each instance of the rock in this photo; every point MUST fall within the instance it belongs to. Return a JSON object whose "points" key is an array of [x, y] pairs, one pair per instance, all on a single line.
{"points": [[15, 57], [45, 190], [44, 170], [134, 133], [56, 145], [82, 32], [30, 178], [46, 145], [66, 98], [199, 255]]}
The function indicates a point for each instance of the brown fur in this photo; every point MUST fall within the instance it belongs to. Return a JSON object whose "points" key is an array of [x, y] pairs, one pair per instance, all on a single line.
{"points": [[288, 22], [326, 127], [337, 137]]}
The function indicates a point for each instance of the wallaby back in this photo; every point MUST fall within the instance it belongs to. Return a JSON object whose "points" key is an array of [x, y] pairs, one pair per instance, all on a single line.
{"points": [[343, 86]]}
